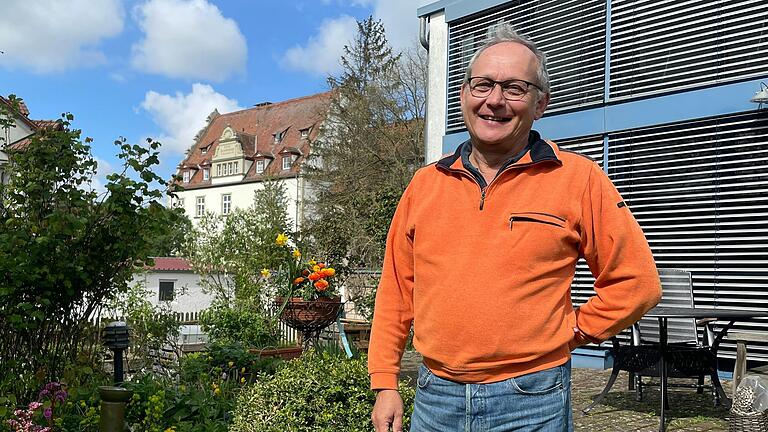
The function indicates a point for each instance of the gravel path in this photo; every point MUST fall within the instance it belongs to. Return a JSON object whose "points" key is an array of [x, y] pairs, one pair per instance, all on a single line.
{"points": [[620, 412]]}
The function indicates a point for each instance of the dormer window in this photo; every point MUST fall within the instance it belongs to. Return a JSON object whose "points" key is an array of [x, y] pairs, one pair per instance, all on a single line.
{"points": [[288, 161], [261, 165], [186, 176], [204, 150], [279, 136], [304, 133]]}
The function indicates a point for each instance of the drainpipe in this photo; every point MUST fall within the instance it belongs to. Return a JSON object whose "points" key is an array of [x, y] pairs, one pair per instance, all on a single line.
{"points": [[424, 32]]}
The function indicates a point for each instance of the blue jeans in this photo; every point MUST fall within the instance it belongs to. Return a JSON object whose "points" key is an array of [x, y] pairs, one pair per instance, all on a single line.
{"points": [[540, 401]]}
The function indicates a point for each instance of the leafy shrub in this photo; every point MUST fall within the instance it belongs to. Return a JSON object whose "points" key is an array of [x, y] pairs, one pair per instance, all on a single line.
{"points": [[317, 392], [240, 323]]}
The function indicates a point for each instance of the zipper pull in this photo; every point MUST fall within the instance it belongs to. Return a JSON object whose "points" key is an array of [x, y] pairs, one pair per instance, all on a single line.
{"points": [[482, 199]]}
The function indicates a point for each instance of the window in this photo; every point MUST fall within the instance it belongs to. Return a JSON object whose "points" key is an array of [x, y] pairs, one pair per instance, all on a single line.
{"points": [[260, 166], [165, 291], [278, 136], [287, 161], [206, 174], [204, 150], [186, 176], [200, 207], [218, 170], [226, 203], [304, 133], [180, 202]]}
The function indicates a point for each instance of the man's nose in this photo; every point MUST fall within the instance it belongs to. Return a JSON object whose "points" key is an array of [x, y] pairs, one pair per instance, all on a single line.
{"points": [[496, 97]]}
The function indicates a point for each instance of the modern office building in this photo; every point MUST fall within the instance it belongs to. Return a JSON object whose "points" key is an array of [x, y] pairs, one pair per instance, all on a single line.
{"points": [[660, 93]]}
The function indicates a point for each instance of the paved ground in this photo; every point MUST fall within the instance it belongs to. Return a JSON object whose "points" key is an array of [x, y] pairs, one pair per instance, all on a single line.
{"points": [[619, 411]]}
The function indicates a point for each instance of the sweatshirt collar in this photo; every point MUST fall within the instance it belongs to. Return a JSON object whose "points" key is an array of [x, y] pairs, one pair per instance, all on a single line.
{"points": [[537, 150]]}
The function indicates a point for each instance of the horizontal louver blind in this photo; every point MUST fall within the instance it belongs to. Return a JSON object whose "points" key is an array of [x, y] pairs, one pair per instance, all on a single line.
{"points": [[583, 284], [570, 32], [698, 189], [663, 45]]}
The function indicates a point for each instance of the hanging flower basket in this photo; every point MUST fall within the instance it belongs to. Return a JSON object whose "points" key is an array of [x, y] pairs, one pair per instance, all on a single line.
{"points": [[309, 315]]}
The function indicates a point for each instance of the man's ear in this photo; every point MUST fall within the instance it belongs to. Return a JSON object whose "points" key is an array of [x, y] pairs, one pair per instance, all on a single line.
{"points": [[541, 106]]}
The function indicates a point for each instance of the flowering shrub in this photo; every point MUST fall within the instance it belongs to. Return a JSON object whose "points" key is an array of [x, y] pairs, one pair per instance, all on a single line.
{"points": [[23, 421], [309, 280]]}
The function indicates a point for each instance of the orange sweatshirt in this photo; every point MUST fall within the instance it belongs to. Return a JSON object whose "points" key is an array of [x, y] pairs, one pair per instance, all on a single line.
{"points": [[484, 274]]}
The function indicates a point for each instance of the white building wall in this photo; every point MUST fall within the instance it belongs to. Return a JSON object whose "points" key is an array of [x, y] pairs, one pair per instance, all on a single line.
{"points": [[437, 85], [193, 298], [242, 197]]}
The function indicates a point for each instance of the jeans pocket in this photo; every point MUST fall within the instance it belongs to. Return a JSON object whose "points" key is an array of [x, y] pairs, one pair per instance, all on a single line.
{"points": [[425, 376], [539, 383]]}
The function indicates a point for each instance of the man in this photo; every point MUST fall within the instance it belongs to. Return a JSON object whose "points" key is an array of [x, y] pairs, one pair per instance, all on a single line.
{"points": [[480, 257]]}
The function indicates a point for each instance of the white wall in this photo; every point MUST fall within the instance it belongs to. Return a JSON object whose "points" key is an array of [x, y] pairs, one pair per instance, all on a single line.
{"points": [[436, 86], [193, 300], [242, 197]]}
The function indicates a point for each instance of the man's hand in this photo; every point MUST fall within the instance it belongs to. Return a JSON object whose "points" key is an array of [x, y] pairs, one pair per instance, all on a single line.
{"points": [[388, 411]]}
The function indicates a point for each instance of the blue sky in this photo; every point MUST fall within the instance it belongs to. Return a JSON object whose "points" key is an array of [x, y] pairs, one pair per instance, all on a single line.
{"points": [[157, 68]]}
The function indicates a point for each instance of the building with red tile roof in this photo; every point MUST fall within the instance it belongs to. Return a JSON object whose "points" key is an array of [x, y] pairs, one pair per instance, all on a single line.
{"points": [[18, 136], [235, 152]]}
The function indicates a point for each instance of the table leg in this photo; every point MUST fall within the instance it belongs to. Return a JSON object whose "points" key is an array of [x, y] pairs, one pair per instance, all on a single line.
{"points": [[663, 366]]}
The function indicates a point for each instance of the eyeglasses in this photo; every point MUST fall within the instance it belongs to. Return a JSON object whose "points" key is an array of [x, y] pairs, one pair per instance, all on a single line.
{"points": [[512, 90]]}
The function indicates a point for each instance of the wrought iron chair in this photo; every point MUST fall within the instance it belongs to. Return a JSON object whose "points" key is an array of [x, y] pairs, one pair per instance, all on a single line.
{"points": [[688, 354]]}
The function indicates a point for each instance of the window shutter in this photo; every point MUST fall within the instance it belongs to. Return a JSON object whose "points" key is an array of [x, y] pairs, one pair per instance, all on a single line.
{"points": [[698, 189], [659, 46], [570, 32]]}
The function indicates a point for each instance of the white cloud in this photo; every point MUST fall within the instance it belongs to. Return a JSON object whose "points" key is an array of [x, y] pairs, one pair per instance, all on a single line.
{"points": [[320, 55], [181, 116], [188, 39], [53, 35], [322, 52]]}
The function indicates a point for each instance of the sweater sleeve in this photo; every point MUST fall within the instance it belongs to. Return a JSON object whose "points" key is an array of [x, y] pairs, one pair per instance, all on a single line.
{"points": [[614, 246], [393, 310]]}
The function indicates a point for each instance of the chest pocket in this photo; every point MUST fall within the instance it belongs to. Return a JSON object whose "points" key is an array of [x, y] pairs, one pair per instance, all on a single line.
{"points": [[515, 219]]}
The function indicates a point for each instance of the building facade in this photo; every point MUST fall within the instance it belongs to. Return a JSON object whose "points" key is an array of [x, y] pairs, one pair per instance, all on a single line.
{"points": [[19, 135], [236, 152], [659, 92]]}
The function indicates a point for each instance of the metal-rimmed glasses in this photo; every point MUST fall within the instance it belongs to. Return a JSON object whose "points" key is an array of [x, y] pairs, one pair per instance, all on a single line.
{"points": [[512, 90]]}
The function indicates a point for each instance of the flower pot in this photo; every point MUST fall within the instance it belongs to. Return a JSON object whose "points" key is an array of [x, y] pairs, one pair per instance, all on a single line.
{"points": [[310, 315], [285, 353]]}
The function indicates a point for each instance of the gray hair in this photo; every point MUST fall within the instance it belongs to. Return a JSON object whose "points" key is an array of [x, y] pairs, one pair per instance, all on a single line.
{"points": [[504, 32]]}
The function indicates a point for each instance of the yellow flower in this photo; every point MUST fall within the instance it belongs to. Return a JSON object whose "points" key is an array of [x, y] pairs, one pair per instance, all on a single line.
{"points": [[312, 262], [242, 380], [281, 240], [296, 253], [230, 364], [217, 391], [315, 268], [265, 273], [242, 370]]}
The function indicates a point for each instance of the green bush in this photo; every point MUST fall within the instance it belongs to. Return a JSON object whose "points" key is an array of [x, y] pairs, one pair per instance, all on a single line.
{"points": [[318, 392], [240, 323]]}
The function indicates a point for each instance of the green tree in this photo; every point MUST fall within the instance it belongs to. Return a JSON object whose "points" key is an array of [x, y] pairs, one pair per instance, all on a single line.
{"points": [[230, 252], [65, 250], [372, 143]]}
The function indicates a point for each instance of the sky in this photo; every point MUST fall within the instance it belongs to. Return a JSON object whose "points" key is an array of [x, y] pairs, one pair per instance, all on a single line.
{"points": [[157, 68]]}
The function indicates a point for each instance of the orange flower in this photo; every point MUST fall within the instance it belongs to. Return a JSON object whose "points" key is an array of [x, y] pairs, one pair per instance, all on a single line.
{"points": [[321, 285], [315, 276], [298, 280], [328, 272], [305, 272], [321, 265]]}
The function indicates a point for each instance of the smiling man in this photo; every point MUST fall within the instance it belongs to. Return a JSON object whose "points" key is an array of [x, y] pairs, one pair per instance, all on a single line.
{"points": [[480, 257]]}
